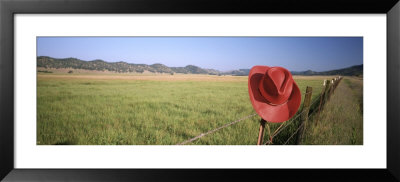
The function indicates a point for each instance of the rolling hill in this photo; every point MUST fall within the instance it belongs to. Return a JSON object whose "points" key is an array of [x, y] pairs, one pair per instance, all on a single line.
{"points": [[350, 71], [123, 67], [120, 67]]}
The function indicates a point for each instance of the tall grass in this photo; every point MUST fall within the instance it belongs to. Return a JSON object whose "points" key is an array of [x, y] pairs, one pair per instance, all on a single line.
{"points": [[341, 121], [98, 111]]}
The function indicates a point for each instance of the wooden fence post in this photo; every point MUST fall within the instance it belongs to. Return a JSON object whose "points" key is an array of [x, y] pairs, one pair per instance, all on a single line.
{"points": [[336, 82], [321, 99], [261, 132], [304, 114], [333, 85], [327, 89], [330, 90]]}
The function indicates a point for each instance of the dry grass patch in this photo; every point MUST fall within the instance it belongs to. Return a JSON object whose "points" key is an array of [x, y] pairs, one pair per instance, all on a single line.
{"points": [[153, 77], [313, 77]]}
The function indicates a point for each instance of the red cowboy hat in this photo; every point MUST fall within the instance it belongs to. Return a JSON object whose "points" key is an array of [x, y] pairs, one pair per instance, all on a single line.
{"points": [[273, 93]]}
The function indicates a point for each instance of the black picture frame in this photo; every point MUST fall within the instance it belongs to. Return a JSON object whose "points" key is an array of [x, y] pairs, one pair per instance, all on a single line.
{"points": [[8, 8]]}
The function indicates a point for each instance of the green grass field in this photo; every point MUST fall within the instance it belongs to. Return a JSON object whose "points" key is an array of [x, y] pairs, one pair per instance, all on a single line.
{"points": [[149, 110]]}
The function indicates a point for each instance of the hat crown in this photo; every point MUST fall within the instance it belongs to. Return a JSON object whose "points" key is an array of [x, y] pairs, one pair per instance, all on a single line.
{"points": [[276, 85], [278, 78]]}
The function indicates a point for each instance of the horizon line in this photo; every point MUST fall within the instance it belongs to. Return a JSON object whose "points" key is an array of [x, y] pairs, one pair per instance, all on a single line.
{"points": [[188, 64]]}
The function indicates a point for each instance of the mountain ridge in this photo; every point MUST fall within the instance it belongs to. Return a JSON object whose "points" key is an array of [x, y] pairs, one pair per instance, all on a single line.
{"points": [[355, 70], [124, 67]]}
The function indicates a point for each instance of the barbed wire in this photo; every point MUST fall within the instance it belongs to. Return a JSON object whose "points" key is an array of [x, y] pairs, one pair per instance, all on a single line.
{"points": [[216, 129], [279, 129], [315, 101], [298, 129]]}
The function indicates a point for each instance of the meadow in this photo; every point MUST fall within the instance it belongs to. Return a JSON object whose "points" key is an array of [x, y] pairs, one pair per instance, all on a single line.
{"points": [[124, 109]]}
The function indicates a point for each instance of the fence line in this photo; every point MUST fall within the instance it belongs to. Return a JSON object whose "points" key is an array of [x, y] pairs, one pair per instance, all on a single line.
{"points": [[297, 130], [229, 124], [331, 88], [290, 122], [216, 129], [315, 100], [296, 116], [277, 131], [291, 136]]}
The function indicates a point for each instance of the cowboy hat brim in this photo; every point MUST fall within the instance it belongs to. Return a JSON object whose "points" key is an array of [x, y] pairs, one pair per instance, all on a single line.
{"points": [[269, 112]]}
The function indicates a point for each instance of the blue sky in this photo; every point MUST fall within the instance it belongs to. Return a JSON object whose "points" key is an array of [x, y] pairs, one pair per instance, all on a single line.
{"points": [[221, 53]]}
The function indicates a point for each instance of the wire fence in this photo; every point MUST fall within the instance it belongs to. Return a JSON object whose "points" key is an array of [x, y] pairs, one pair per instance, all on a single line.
{"points": [[298, 129], [329, 87], [216, 129]]}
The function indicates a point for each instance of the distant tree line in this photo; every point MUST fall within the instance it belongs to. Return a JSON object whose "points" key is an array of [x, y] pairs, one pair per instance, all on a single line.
{"points": [[120, 67]]}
